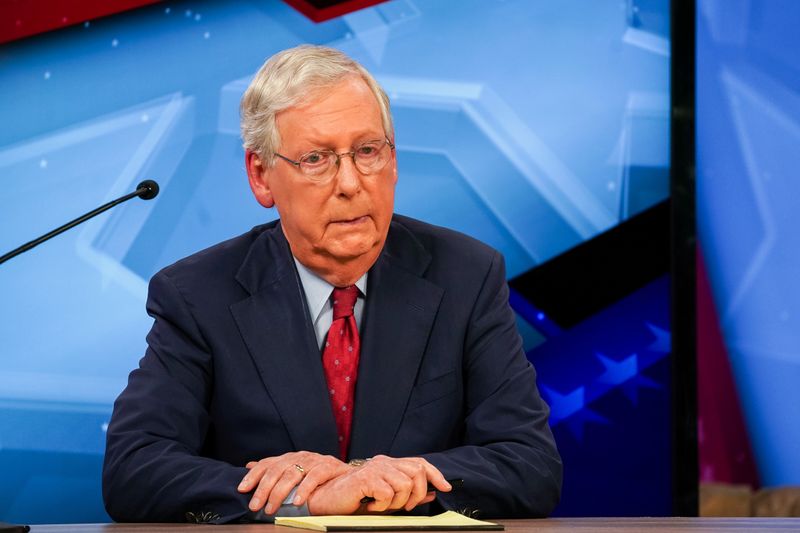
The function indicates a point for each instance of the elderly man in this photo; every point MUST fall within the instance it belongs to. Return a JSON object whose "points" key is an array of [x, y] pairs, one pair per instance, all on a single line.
{"points": [[341, 360]]}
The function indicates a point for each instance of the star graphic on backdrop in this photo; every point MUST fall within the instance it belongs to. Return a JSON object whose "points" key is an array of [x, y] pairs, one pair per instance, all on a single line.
{"points": [[570, 408], [617, 372], [625, 375], [663, 342], [631, 388], [563, 405]]}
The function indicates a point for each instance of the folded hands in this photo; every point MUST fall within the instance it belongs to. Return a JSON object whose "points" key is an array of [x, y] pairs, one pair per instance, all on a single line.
{"points": [[330, 486]]}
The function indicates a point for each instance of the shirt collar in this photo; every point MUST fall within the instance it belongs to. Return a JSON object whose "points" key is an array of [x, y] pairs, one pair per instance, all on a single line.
{"points": [[318, 291]]}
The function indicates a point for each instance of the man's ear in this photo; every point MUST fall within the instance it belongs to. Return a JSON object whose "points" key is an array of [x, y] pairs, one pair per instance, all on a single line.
{"points": [[258, 176], [394, 165]]}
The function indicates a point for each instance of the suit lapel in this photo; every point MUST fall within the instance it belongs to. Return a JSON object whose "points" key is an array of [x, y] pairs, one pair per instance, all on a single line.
{"points": [[279, 335], [400, 309]]}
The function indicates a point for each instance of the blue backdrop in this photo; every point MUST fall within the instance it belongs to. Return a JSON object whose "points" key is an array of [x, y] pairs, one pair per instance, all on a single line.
{"points": [[531, 125], [748, 133]]}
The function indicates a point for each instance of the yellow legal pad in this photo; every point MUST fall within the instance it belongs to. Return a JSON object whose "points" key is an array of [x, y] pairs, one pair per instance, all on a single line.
{"points": [[444, 521]]}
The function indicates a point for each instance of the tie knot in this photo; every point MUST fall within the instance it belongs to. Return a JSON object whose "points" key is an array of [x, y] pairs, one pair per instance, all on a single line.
{"points": [[344, 300]]}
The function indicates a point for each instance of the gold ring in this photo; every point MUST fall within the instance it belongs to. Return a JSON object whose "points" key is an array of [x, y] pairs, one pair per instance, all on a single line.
{"points": [[300, 469]]}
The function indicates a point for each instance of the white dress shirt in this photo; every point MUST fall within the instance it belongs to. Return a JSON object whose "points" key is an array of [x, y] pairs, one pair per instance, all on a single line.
{"points": [[318, 297]]}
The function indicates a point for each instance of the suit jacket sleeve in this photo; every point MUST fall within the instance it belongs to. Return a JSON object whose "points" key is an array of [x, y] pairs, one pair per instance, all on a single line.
{"points": [[154, 469], [508, 460]]}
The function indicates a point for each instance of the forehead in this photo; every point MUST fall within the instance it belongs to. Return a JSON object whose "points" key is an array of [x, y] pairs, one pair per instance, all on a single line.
{"points": [[341, 113]]}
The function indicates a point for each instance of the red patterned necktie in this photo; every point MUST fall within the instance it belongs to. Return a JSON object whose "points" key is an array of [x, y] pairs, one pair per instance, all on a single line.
{"points": [[340, 362]]}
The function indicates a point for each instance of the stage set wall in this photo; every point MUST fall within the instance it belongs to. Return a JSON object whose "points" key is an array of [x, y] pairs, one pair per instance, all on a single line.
{"points": [[536, 126]]}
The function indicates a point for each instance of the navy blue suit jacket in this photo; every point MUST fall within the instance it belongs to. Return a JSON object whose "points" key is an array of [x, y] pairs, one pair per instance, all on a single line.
{"points": [[233, 373]]}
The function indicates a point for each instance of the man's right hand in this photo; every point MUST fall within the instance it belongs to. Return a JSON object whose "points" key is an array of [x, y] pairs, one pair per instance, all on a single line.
{"points": [[393, 483]]}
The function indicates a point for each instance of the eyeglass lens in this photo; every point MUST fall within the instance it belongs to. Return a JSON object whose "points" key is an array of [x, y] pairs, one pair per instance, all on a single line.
{"points": [[369, 157]]}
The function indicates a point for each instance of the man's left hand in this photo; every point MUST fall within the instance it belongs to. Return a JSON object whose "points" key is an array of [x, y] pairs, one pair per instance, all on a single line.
{"points": [[274, 478]]}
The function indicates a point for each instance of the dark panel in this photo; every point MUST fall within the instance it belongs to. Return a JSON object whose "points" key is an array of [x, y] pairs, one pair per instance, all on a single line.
{"points": [[683, 244], [588, 278], [322, 10]]}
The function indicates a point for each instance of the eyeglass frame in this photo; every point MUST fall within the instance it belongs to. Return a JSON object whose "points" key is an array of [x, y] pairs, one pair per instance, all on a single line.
{"points": [[351, 153]]}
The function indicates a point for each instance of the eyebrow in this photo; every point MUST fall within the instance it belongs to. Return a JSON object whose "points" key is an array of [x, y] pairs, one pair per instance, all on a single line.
{"points": [[328, 148]]}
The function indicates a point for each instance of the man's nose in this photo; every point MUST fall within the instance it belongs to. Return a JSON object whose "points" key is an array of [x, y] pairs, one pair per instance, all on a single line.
{"points": [[348, 178]]}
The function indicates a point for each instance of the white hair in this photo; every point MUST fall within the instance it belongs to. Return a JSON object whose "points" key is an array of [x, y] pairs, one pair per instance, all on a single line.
{"points": [[286, 80]]}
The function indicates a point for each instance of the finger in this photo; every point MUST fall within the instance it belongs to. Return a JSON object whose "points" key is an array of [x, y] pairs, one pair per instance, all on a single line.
{"points": [[290, 478], [408, 477], [402, 485], [314, 478], [324, 469], [427, 499], [389, 470], [262, 492], [435, 477], [383, 494], [418, 492], [252, 477], [258, 468], [416, 472], [273, 468]]}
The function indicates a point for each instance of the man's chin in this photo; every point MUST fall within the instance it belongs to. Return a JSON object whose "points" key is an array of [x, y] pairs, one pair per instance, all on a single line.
{"points": [[352, 249], [350, 253]]}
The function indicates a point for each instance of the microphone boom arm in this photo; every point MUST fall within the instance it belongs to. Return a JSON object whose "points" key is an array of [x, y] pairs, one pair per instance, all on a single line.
{"points": [[146, 190]]}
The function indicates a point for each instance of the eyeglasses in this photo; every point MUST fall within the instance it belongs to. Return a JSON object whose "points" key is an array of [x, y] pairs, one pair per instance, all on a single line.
{"points": [[321, 165]]}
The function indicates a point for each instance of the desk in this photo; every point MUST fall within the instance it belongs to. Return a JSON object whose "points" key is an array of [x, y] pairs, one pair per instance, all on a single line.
{"points": [[555, 525]]}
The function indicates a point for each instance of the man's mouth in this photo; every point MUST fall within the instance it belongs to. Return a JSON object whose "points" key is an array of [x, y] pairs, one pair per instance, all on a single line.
{"points": [[352, 221]]}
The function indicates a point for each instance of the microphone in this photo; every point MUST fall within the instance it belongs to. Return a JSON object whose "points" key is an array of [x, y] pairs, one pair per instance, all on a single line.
{"points": [[146, 190]]}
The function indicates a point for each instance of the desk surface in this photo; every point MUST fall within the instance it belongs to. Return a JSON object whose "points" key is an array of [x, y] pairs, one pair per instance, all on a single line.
{"points": [[559, 525]]}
